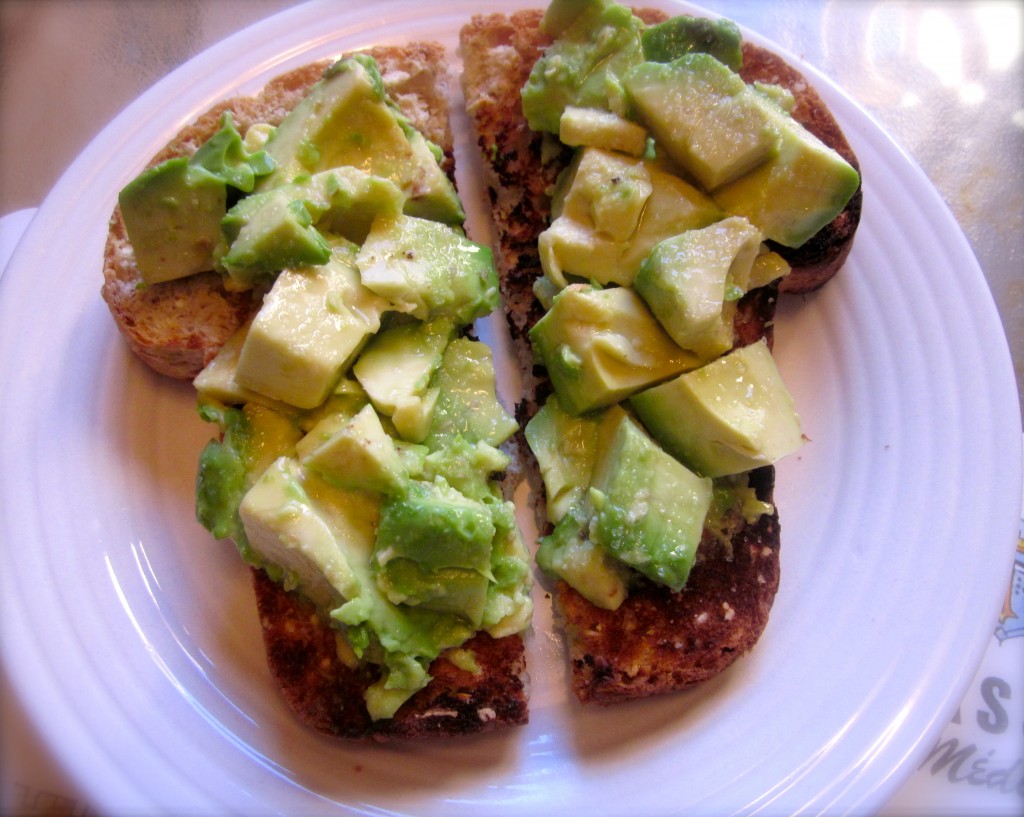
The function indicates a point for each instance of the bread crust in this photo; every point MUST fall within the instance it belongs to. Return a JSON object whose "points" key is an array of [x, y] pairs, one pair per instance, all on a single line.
{"points": [[657, 641]]}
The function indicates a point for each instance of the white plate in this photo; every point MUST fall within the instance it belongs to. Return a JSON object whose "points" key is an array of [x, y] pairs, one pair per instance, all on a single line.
{"points": [[131, 636]]}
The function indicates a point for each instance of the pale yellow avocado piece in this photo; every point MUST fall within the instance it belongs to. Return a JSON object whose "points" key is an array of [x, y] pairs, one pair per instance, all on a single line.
{"points": [[729, 416], [599, 128], [357, 454], [345, 120], [802, 187], [285, 527], [610, 210], [396, 368], [692, 281], [217, 380], [601, 345], [312, 323], [704, 115]]}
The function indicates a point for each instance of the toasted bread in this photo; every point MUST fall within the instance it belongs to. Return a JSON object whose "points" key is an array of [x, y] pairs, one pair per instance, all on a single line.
{"points": [[178, 326], [657, 641]]}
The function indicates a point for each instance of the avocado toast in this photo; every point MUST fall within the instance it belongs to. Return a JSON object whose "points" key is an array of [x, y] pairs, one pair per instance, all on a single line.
{"points": [[363, 644], [651, 638]]}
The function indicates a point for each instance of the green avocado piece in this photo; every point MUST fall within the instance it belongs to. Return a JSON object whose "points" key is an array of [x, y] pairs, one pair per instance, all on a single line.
{"points": [[353, 452], [601, 345], [172, 215], [681, 35], [453, 590], [583, 66], [565, 447], [569, 553], [704, 116], [692, 282], [802, 187], [649, 507], [467, 404], [731, 415], [347, 120], [396, 369], [312, 324], [225, 156], [610, 210], [428, 270], [269, 232], [436, 526]]}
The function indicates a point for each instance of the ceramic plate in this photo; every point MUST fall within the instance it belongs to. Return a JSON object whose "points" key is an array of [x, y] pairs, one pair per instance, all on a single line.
{"points": [[132, 638]]}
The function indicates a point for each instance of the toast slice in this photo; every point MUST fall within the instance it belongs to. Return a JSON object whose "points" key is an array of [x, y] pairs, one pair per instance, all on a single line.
{"points": [[178, 326], [657, 641]]}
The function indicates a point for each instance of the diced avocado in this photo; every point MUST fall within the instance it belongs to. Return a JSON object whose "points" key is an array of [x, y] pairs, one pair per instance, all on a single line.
{"points": [[768, 266], [172, 214], [468, 467], [601, 345], [226, 156], [251, 438], [453, 590], [681, 35], [268, 232], [564, 446], [649, 508], [285, 528], [312, 324], [610, 211], [217, 380], [691, 283], [467, 405], [350, 199], [346, 120], [357, 454], [704, 116], [428, 270], [583, 66], [560, 14], [603, 129], [731, 415], [435, 526], [799, 190], [509, 605], [568, 553], [396, 368]]}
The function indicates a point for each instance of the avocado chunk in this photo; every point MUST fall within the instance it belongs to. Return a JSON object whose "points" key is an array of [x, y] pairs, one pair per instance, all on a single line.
{"points": [[731, 415], [596, 42], [285, 527], [284, 227], [565, 447], [691, 283], [603, 129], [353, 452], [452, 590], [611, 210], [428, 270], [704, 116], [312, 324], [569, 553], [346, 120], [396, 369], [436, 526], [172, 214], [169, 210], [681, 35], [649, 507], [601, 345], [467, 404], [802, 187]]}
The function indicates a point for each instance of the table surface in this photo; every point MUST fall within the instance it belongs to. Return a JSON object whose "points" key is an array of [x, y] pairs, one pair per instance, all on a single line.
{"points": [[944, 79]]}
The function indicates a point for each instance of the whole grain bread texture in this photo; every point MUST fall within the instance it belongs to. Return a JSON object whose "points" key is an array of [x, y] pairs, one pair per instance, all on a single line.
{"points": [[657, 641], [178, 326]]}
